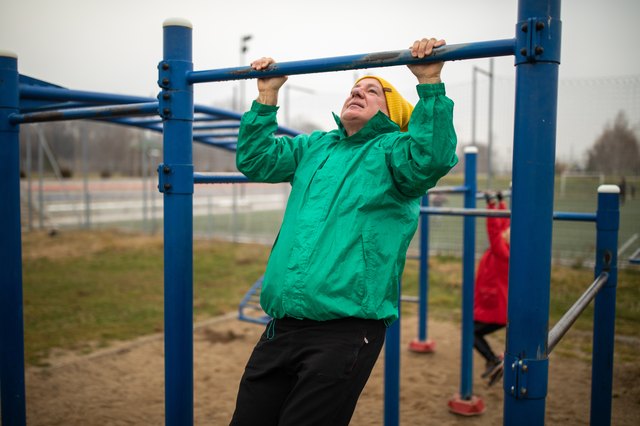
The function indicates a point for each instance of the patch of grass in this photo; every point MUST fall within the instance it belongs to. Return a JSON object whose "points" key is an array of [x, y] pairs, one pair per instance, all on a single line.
{"points": [[83, 289], [567, 284]]}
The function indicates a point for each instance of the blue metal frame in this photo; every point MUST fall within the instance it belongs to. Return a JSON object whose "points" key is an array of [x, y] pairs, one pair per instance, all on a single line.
{"points": [[176, 107], [536, 48], [220, 178], [392, 370], [251, 303], [532, 211], [423, 276], [607, 225], [148, 108], [450, 52], [468, 275], [520, 375], [12, 387]]}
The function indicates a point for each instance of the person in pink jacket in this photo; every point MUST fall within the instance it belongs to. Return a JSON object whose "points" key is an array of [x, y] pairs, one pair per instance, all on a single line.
{"points": [[491, 289]]}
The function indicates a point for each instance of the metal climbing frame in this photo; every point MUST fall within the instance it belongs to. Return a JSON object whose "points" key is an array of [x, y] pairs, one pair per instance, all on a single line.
{"points": [[521, 378], [536, 48]]}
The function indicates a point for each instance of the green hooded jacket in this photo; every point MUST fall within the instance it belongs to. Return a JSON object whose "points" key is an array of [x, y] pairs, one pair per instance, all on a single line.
{"points": [[353, 208]]}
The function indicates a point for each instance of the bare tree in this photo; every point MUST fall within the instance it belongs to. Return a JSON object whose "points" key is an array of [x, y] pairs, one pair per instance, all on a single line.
{"points": [[616, 151]]}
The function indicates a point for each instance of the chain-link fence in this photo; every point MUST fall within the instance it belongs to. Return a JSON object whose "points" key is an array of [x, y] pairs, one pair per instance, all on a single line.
{"points": [[253, 212]]}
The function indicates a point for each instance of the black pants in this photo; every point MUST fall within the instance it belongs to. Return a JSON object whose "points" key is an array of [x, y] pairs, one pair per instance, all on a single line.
{"points": [[481, 329], [305, 372]]}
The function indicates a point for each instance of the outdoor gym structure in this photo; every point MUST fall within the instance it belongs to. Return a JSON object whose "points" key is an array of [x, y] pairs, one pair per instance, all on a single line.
{"points": [[536, 49], [519, 372]]}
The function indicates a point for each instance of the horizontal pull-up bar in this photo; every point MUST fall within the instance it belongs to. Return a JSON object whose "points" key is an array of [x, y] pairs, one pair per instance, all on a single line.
{"points": [[219, 178], [453, 52], [447, 189], [460, 211], [575, 217], [148, 108], [458, 190], [567, 320]]}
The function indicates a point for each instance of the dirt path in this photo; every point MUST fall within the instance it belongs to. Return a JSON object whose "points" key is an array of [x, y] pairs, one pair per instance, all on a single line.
{"points": [[124, 385]]}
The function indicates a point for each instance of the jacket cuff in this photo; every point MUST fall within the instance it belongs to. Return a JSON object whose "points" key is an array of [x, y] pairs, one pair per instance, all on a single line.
{"points": [[259, 108], [430, 90]]}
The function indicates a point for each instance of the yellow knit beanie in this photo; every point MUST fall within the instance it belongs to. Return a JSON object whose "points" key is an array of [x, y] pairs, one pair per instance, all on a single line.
{"points": [[399, 108]]}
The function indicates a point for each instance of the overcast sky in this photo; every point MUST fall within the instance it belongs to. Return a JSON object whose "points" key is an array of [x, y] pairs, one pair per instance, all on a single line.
{"points": [[114, 46]]}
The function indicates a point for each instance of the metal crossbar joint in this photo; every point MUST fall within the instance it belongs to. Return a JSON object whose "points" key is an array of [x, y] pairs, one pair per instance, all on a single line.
{"points": [[525, 378], [175, 178], [176, 94], [538, 40]]}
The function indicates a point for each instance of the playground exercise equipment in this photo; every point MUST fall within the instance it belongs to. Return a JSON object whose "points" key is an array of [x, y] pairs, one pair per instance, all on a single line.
{"points": [[536, 50], [25, 100], [606, 218], [250, 309]]}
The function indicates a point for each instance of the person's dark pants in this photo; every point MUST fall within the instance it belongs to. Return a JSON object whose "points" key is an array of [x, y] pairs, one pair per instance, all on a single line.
{"points": [[481, 329], [305, 372]]}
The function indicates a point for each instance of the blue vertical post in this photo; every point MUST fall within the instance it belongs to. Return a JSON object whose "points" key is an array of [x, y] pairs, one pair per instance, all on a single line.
{"points": [[176, 182], [607, 224], [12, 387], [468, 273], [537, 63], [422, 344], [424, 272], [392, 371]]}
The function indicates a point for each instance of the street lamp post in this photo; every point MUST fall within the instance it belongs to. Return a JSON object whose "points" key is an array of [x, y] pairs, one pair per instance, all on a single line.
{"points": [[489, 74], [243, 50]]}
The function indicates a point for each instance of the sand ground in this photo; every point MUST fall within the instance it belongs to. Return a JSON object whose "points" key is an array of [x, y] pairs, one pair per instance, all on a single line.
{"points": [[124, 384]]}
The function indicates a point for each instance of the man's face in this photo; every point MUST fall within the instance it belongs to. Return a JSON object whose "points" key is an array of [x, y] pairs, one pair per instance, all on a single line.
{"points": [[364, 101]]}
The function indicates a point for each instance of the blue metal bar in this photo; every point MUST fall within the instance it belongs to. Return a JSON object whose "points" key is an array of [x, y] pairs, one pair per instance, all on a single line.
{"points": [[229, 146], [574, 312], [604, 315], [216, 114], [62, 94], [12, 385], [217, 126], [455, 211], [392, 370], [219, 178], [217, 135], [448, 189], [532, 213], [461, 211], [575, 217], [142, 124], [39, 107], [228, 115], [468, 275], [176, 175], [451, 52], [148, 108], [423, 277]]}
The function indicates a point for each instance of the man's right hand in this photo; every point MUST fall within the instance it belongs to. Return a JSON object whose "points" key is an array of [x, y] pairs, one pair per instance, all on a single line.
{"points": [[428, 73], [267, 87]]}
